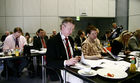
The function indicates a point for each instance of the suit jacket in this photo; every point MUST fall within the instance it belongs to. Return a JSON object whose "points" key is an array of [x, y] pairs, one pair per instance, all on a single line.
{"points": [[117, 32], [37, 44], [78, 40], [3, 38], [56, 53]]}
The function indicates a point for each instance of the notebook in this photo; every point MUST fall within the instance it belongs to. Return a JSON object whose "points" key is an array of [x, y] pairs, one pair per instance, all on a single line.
{"points": [[113, 56]]}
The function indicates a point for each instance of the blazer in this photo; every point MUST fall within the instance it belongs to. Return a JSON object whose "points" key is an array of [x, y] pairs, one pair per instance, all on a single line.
{"points": [[117, 32], [56, 53], [78, 40], [37, 44]]}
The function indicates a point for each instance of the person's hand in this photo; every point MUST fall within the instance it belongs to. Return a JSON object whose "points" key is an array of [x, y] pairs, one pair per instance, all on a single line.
{"points": [[127, 52], [78, 58], [71, 61]]}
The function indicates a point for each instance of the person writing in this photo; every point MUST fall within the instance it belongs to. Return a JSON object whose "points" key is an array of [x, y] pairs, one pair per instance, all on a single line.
{"points": [[121, 43], [60, 47]]}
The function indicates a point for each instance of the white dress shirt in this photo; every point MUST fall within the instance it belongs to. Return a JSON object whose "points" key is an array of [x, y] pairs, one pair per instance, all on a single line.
{"points": [[9, 42]]}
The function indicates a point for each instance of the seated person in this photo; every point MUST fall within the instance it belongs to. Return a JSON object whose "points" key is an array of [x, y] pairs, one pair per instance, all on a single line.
{"points": [[121, 43], [134, 42], [78, 41], [12, 42], [36, 36], [60, 48], [5, 35], [53, 33], [116, 31], [28, 38], [106, 36], [80, 38], [91, 47], [41, 40]]}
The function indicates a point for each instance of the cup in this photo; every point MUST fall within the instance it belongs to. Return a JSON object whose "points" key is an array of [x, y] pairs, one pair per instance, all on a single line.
{"points": [[9, 53], [6, 52], [121, 53], [138, 54], [87, 69], [43, 49]]}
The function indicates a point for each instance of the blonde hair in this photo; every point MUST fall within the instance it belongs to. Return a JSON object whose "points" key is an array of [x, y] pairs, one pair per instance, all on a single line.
{"points": [[121, 39]]}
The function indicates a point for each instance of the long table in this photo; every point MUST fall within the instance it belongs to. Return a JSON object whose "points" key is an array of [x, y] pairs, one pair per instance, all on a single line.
{"points": [[99, 79], [34, 55], [132, 77]]}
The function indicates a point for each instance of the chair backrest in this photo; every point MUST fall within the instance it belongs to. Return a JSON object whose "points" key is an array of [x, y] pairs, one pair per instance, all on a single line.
{"points": [[1, 47], [26, 50], [53, 75]]}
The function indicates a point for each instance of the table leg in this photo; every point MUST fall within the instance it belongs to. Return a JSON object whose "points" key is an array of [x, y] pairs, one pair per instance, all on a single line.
{"points": [[6, 70], [43, 71], [35, 64], [65, 76]]}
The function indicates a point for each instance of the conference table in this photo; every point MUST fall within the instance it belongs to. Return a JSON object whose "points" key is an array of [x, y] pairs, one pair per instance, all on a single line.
{"points": [[34, 54], [98, 78]]}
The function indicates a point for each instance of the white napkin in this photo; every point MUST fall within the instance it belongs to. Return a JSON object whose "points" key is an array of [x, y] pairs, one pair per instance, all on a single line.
{"points": [[134, 53]]}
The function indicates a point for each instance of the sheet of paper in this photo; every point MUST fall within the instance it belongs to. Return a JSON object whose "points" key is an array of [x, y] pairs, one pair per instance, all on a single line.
{"points": [[105, 63]]}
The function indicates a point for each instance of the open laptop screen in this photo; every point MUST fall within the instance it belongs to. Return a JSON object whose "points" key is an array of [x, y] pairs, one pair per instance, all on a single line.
{"points": [[113, 56]]}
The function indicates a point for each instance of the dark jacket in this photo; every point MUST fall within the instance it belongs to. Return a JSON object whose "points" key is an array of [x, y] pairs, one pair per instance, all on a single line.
{"points": [[117, 32], [56, 53], [116, 47], [78, 40], [3, 38], [37, 44]]}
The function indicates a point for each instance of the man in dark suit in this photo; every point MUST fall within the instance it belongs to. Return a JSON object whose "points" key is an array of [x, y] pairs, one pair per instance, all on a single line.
{"points": [[5, 35], [58, 56], [80, 38], [116, 31], [38, 43], [41, 40]]}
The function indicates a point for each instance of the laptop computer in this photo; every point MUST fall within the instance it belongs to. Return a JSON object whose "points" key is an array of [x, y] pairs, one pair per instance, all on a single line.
{"points": [[113, 56]]}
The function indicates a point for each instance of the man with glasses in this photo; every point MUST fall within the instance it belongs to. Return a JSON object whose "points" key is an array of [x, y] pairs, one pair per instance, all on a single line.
{"points": [[91, 47]]}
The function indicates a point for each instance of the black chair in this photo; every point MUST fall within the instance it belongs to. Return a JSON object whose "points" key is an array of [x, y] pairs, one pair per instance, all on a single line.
{"points": [[53, 75], [1, 46]]}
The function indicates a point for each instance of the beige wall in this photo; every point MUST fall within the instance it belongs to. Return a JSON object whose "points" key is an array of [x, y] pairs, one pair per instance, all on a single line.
{"points": [[30, 15], [134, 15]]}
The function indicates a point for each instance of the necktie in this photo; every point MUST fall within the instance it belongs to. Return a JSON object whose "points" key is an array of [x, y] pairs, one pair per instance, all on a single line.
{"points": [[16, 43], [43, 43], [68, 48]]}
